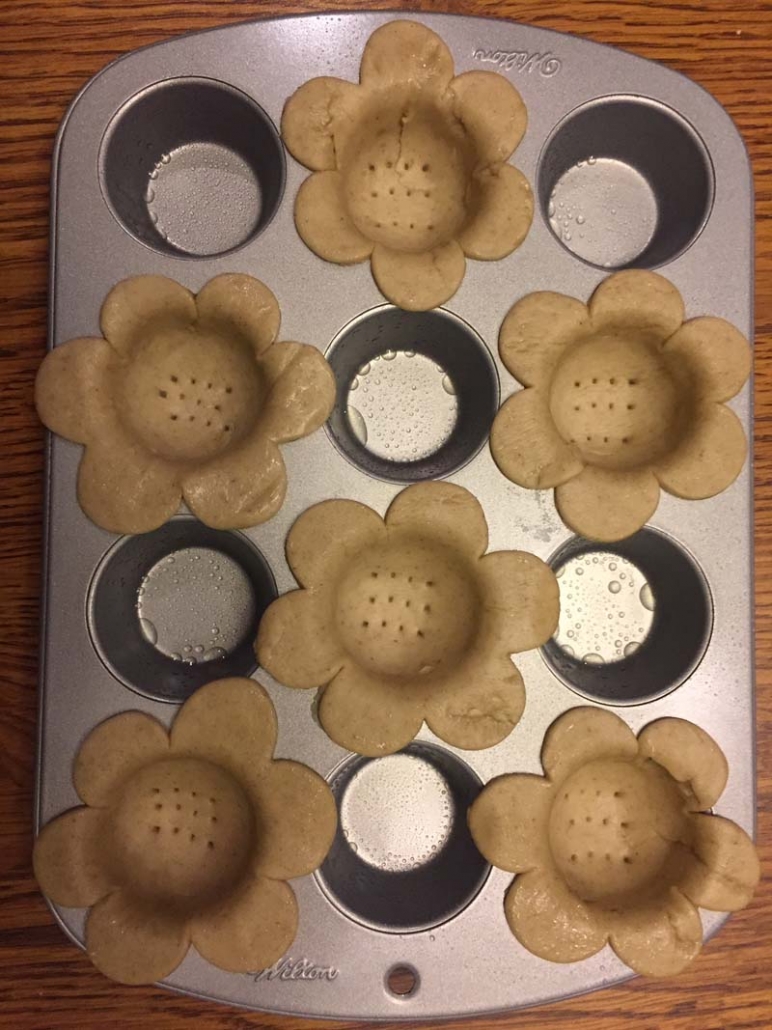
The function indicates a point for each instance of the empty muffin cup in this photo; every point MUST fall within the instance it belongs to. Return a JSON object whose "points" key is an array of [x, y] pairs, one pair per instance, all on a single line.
{"points": [[416, 393], [403, 859], [625, 182], [171, 610], [635, 620], [192, 166]]}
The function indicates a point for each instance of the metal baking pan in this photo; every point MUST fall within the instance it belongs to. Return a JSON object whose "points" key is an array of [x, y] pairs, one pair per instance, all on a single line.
{"points": [[138, 152]]}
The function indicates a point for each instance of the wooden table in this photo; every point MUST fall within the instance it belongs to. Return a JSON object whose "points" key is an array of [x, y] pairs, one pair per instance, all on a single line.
{"points": [[48, 50]]}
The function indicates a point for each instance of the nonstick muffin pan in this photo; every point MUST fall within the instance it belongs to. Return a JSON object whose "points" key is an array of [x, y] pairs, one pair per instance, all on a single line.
{"points": [[169, 162]]}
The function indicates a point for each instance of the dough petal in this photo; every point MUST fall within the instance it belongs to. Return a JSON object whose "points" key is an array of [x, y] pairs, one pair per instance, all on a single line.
{"points": [[715, 357], [68, 858], [324, 223], [72, 389], [606, 505], [492, 112], [401, 51], [583, 735], [659, 941], [503, 213], [640, 300], [132, 943], [537, 331], [113, 751], [142, 305], [725, 870], [509, 822], [297, 642], [241, 488], [231, 723], [368, 715], [442, 511], [251, 929], [521, 600], [301, 391], [709, 458], [527, 447], [479, 705], [691, 757], [418, 282], [297, 818], [240, 303], [550, 921], [310, 118]]}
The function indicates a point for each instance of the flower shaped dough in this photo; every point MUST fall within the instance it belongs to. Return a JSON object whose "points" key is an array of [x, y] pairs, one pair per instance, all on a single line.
{"points": [[613, 845], [622, 397], [410, 166], [187, 837], [406, 619], [184, 397]]}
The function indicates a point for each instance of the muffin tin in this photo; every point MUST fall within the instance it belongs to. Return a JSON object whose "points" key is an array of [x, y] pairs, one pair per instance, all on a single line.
{"points": [[169, 162]]}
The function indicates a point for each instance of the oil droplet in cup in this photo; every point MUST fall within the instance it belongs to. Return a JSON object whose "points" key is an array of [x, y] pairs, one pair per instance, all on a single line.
{"points": [[149, 632], [614, 586], [358, 424], [594, 659], [647, 597], [631, 648]]}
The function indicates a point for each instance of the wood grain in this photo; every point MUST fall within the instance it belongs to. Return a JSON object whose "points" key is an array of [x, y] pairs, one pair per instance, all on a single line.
{"points": [[48, 49]]}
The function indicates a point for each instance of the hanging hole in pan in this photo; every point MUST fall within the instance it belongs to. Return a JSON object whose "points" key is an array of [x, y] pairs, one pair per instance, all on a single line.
{"points": [[171, 610], [192, 166], [402, 981]]}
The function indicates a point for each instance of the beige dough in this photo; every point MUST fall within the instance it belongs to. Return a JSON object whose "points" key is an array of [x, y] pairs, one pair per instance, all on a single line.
{"points": [[410, 166], [188, 837], [406, 619], [612, 844], [622, 397], [184, 398]]}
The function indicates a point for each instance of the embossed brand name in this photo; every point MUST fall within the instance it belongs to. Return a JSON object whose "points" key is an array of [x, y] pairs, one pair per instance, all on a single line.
{"points": [[545, 65], [296, 969]]}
